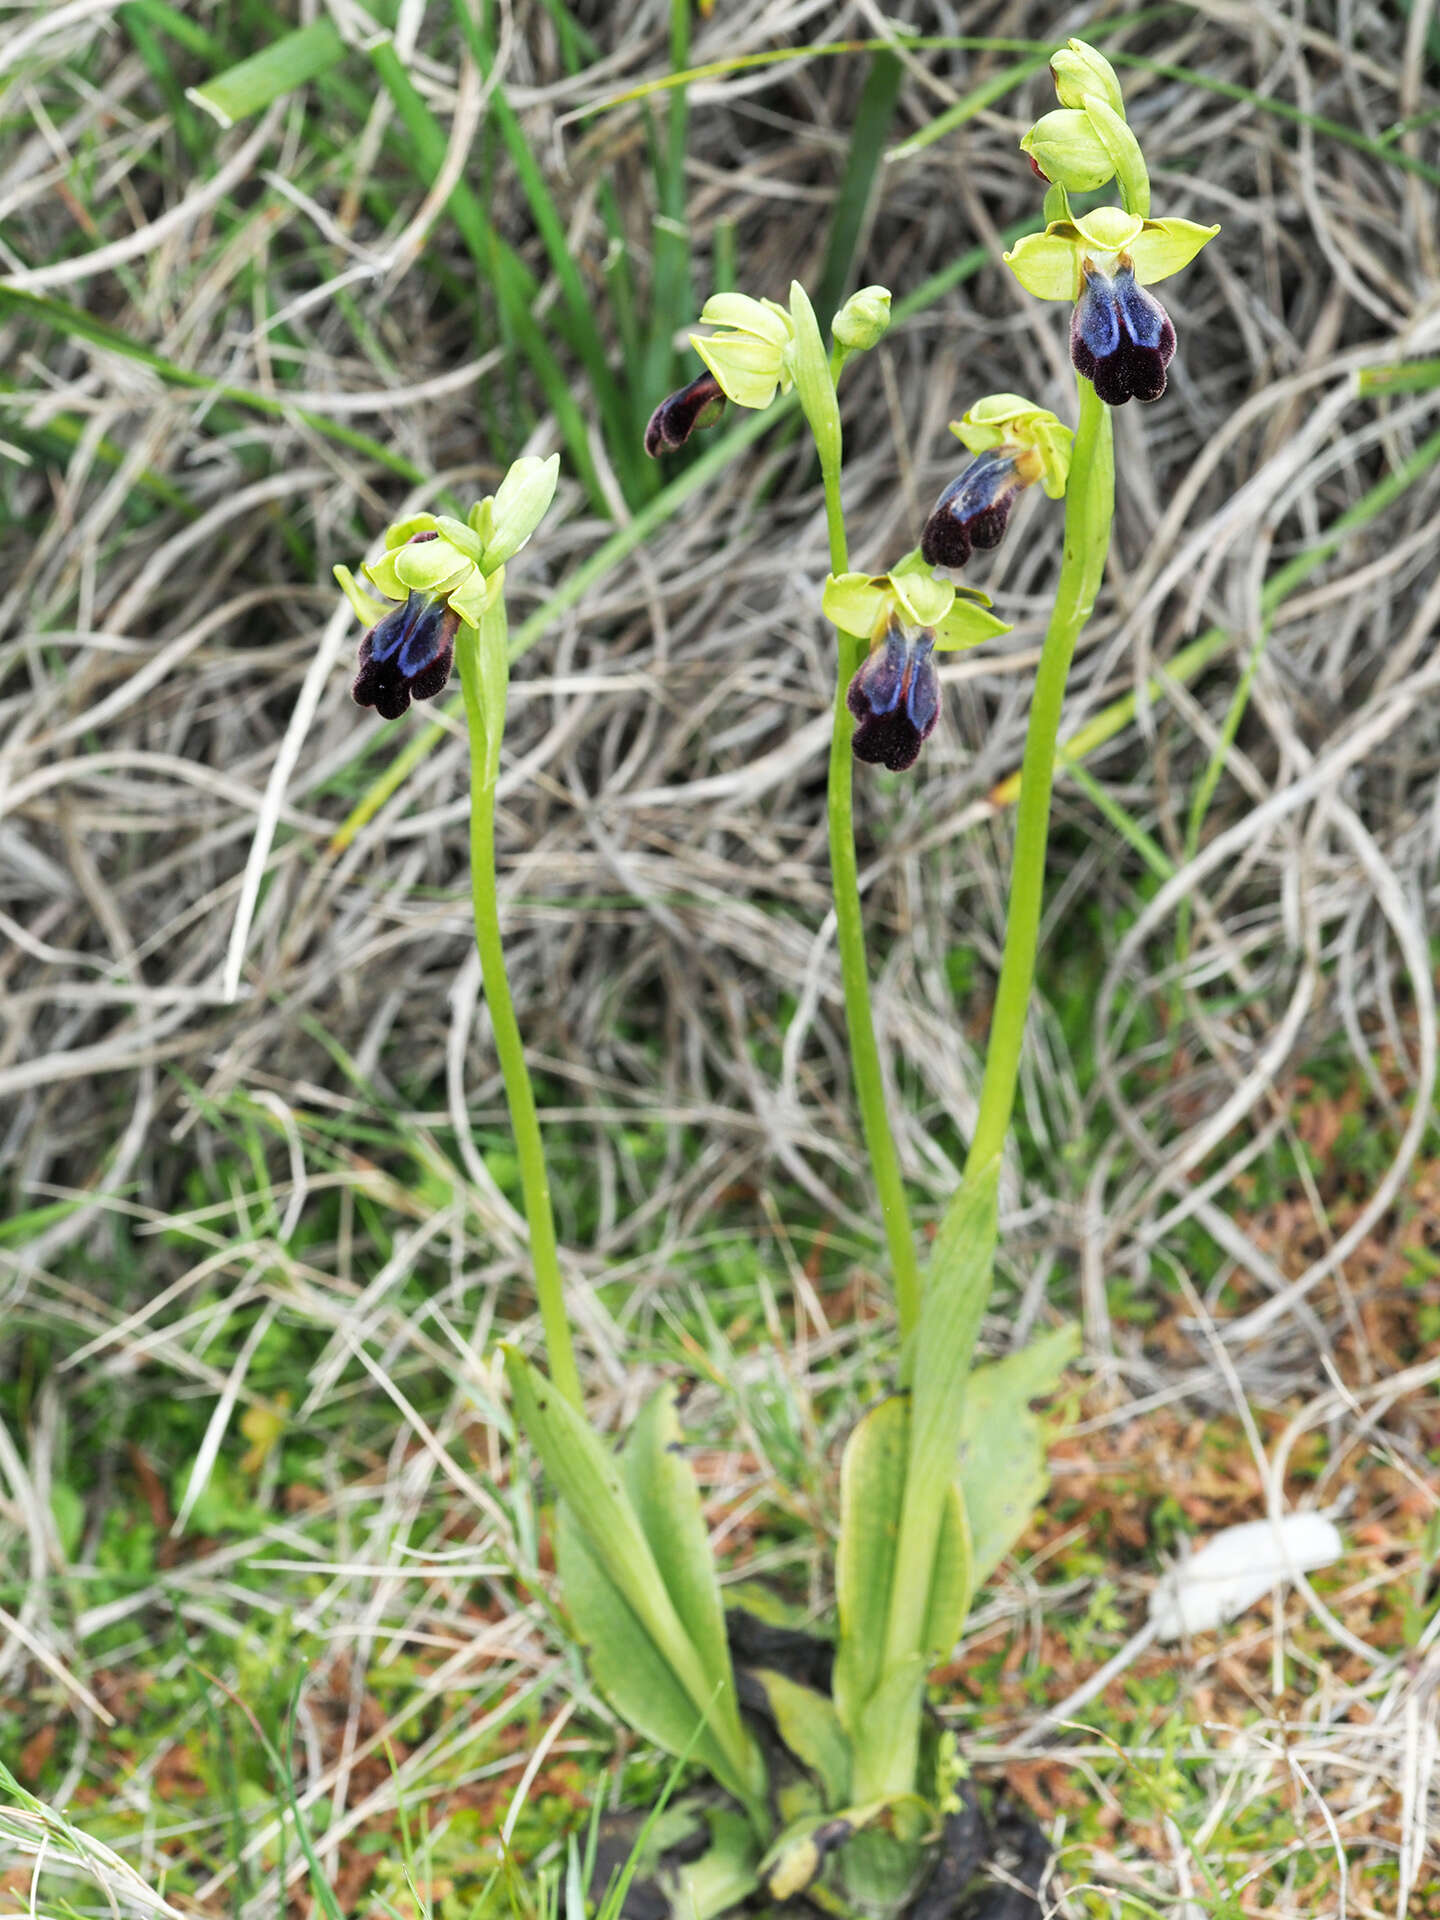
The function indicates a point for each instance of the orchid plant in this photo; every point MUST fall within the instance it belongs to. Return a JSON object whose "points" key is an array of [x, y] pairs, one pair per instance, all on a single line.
{"points": [[833, 1778]]}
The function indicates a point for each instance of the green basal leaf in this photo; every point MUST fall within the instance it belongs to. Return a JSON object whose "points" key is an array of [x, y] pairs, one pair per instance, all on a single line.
{"points": [[666, 1500], [937, 1361], [872, 1484], [810, 1727], [872, 1494], [589, 1481], [623, 1659], [1002, 1444], [953, 1583], [724, 1875]]}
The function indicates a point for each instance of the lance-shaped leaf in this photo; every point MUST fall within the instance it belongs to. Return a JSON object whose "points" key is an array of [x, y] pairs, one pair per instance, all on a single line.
{"points": [[956, 1290], [810, 1727], [872, 1492], [624, 1661], [667, 1504], [588, 1479], [1002, 1444]]}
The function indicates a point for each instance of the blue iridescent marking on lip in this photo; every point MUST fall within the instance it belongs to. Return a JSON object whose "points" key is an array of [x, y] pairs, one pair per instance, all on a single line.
{"points": [[1121, 338], [895, 698]]}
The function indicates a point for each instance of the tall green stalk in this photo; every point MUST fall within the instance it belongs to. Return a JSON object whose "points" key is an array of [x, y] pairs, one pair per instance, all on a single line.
{"points": [[850, 939], [484, 671], [1089, 509]]}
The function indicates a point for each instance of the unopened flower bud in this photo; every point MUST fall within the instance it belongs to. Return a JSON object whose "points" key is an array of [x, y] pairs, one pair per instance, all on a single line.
{"points": [[863, 320], [1077, 69], [1065, 147]]}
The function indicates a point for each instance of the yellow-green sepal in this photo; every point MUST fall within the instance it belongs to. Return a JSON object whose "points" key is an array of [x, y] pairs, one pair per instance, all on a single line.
{"points": [[475, 596], [969, 623], [1047, 264], [750, 359], [367, 608], [1009, 419], [856, 602], [1163, 247]]}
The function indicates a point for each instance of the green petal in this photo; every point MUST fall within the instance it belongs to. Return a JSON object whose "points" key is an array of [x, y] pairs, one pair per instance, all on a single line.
{"points": [[1109, 230], [399, 531], [1163, 247], [923, 601], [967, 625], [855, 602], [748, 370], [997, 418], [382, 572], [738, 310], [432, 566], [481, 519], [1047, 264], [521, 504], [459, 535], [476, 595], [366, 606]]}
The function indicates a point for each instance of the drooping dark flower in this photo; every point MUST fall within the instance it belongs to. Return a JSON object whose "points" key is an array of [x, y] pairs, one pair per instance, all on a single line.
{"points": [[407, 655], [1121, 338], [681, 414], [895, 698], [974, 510]]}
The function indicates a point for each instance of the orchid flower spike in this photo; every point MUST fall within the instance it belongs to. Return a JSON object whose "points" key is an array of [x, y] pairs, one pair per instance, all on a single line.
{"points": [[1121, 338], [908, 616], [1015, 443], [435, 572], [761, 351]]}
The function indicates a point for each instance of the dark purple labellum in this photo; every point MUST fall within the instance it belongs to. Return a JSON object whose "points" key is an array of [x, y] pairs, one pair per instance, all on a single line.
{"points": [[681, 414], [895, 698], [1121, 338], [406, 656], [973, 511]]}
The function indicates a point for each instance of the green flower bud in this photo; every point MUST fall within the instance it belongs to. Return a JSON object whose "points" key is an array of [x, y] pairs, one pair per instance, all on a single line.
{"points": [[1067, 149], [863, 320], [1078, 70]]}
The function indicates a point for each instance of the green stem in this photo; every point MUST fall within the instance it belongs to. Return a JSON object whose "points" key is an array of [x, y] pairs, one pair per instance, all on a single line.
{"points": [[850, 939], [484, 672], [1089, 506]]}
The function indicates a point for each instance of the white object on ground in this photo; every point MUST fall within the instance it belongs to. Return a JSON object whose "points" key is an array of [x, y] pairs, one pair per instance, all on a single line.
{"points": [[1238, 1567]]}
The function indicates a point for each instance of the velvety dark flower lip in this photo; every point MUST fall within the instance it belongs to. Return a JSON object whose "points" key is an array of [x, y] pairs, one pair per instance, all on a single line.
{"points": [[1121, 338], [895, 698], [406, 656], [681, 414], [973, 511]]}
